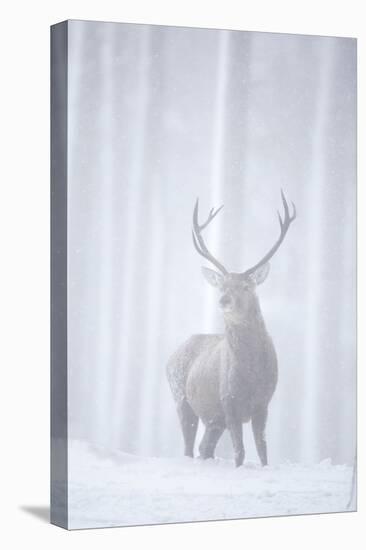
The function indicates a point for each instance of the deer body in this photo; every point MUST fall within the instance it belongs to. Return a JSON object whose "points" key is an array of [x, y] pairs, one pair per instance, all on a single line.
{"points": [[238, 367], [227, 379]]}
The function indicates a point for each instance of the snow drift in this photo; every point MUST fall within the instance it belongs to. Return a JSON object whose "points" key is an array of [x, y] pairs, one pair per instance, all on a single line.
{"points": [[107, 490]]}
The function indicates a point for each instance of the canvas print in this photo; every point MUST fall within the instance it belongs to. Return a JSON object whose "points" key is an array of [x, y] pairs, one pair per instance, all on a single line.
{"points": [[203, 272]]}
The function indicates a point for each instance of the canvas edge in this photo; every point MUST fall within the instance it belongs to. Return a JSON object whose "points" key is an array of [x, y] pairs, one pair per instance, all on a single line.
{"points": [[58, 389]]}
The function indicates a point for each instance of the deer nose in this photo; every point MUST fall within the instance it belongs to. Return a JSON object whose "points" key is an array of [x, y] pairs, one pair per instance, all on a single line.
{"points": [[224, 301]]}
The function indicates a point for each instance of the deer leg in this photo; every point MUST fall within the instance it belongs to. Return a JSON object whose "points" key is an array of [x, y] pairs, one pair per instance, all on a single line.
{"points": [[189, 424], [209, 441], [259, 419], [235, 427], [236, 432]]}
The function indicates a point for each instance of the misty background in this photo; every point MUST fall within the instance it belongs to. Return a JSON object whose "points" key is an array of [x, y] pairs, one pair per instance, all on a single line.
{"points": [[158, 116]]}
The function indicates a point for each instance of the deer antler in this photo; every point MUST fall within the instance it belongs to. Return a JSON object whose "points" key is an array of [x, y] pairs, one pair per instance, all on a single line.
{"points": [[198, 241], [284, 225]]}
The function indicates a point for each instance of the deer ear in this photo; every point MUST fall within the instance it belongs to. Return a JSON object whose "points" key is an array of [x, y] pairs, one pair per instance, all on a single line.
{"points": [[260, 274], [213, 277]]}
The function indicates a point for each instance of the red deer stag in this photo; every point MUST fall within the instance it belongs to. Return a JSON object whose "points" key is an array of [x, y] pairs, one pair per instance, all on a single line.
{"points": [[228, 379]]}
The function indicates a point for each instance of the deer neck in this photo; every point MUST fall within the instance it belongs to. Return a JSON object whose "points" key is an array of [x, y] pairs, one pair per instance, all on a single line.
{"points": [[247, 334]]}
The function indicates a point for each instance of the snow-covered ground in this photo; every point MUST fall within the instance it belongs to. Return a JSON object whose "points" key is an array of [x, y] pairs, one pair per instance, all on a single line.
{"points": [[122, 489]]}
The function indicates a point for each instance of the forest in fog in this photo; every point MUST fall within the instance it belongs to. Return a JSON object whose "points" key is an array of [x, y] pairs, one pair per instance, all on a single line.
{"points": [[158, 116]]}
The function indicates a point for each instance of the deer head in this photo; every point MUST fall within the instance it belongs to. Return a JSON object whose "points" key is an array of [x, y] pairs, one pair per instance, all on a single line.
{"points": [[238, 296]]}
